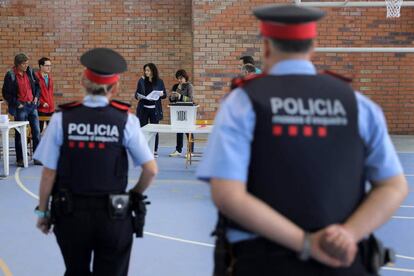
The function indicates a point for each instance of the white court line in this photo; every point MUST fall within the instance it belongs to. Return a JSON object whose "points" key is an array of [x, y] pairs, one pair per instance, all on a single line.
{"points": [[398, 269], [405, 257], [178, 239], [134, 180], [400, 217], [20, 184], [5, 268]]}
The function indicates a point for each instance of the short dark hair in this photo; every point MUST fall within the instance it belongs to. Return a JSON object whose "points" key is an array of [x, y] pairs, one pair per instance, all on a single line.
{"points": [[292, 46], [43, 60], [181, 73], [247, 59], [153, 69], [20, 58], [249, 68]]}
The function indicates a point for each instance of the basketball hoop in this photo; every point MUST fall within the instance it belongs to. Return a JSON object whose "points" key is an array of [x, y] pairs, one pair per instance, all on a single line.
{"points": [[393, 8], [4, 3]]}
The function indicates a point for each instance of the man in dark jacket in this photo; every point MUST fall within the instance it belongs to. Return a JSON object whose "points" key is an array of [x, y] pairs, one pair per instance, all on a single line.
{"points": [[21, 91]]}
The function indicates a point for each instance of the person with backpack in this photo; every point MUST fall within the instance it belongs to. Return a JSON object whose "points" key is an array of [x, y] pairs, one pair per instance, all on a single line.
{"points": [[21, 91]]}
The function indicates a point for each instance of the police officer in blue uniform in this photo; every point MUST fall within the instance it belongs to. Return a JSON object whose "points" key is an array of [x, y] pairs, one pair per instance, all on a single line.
{"points": [[289, 157], [84, 154]]}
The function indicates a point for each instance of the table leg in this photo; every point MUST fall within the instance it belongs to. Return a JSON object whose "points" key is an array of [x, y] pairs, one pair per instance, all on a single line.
{"points": [[5, 142], [151, 142], [150, 137], [23, 135]]}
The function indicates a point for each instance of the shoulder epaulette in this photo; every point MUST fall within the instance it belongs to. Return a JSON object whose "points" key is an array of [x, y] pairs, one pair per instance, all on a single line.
{"points": [[120, 105], [336, 75], [70, 105], [241, 81]]}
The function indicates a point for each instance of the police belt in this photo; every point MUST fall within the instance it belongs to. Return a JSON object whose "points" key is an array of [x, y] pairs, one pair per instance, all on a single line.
{"points": [[261, 246], [90, 202]]}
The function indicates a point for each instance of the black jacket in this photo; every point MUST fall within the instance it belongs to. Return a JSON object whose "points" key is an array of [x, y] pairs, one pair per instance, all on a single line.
{"points": [[144, 87], [10, 90]]}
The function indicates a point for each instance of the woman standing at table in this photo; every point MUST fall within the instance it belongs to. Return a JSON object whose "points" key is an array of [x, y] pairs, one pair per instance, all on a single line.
{"points": [[150, 110], [181, 92]]}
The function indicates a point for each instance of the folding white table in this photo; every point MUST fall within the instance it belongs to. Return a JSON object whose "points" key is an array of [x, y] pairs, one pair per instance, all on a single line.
{"points": [[150, 130], [5, 129]]}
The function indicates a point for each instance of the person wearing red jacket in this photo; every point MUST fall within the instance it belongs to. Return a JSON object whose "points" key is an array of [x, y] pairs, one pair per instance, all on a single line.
{"points": [[46, 102]]}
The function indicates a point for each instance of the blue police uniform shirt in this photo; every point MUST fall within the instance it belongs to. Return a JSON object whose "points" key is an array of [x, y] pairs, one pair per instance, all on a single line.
{"points": [[227, 154], [134, 141]]}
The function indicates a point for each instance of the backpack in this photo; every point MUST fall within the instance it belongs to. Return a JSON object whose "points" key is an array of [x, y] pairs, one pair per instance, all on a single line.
{"points": [[12, 75], [13, 78]]}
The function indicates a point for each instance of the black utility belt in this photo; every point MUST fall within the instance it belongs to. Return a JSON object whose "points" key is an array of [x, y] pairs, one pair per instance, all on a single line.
{"points": [[118, 205], [261, 246]]}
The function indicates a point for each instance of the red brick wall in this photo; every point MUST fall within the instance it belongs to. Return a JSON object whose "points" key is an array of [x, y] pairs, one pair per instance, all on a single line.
{"points": [[206, 38], [225, 30], [142, 31]]}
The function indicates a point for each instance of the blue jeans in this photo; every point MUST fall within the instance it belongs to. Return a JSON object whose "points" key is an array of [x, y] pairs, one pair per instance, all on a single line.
{"points": [[27, 113]]}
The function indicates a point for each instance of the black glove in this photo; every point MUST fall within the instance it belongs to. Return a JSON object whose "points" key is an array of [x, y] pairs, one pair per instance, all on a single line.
{"points": [[139, 210]]}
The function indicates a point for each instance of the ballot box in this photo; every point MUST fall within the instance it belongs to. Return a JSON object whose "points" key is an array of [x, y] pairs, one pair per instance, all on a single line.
{"points": [[183, 114]]}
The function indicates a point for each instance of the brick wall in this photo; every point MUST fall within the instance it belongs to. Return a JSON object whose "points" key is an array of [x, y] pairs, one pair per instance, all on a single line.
{"points": [[225, 30], [142, 31], [206, 38]]}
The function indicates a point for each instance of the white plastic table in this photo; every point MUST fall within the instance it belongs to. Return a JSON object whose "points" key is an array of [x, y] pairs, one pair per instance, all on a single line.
{"points": [[150, 130], [5, 129]]}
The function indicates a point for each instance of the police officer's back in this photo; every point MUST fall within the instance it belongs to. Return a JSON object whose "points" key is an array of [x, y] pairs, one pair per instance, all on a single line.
{"points": [[288, 159], [84, 153]]}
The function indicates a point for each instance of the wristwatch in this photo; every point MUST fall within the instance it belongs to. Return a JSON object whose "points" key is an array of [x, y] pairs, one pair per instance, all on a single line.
{"points": [[305, 253], [41, 214]]}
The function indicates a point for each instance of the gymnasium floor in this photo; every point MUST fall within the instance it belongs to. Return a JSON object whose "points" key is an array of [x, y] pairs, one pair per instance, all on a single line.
{"points": [[180, 219]]}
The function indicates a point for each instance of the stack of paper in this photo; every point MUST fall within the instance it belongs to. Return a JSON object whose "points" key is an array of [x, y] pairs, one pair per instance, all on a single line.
{"points": [[153, 96]]}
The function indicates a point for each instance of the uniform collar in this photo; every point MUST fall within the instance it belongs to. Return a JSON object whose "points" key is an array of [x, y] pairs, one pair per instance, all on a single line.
{"points": [[95, 101], [293, 67]]}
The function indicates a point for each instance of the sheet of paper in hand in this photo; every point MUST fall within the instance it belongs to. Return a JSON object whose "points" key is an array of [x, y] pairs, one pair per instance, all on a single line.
{"points": [[154, 95]]}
